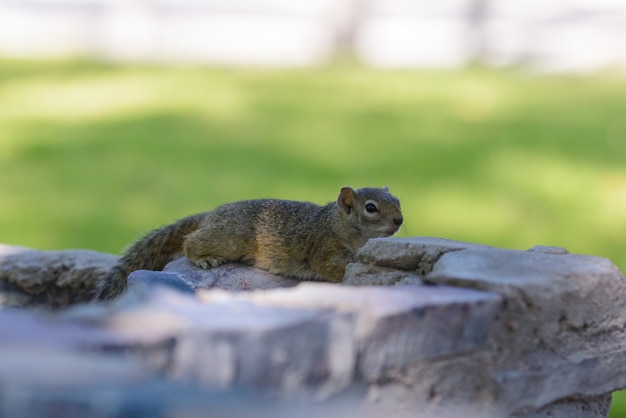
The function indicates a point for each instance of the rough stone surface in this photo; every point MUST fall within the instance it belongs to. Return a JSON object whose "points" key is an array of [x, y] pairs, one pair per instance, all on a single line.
{"points": [[55, 279], [561, 331], [573, 408], [396, 326], [149, 278], [358, 274], [234, 277], [49, 278], [420, 327], [51, 383], [548, 250], [418, 255], [315, 340], [563, 323]]}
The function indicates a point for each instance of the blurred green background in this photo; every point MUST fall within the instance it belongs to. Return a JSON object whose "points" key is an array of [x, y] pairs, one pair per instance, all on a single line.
{"points": [[94, 155]]}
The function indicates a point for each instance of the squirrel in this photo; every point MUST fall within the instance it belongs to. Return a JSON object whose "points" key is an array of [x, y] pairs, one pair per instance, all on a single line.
{"points": [[299, 240]]}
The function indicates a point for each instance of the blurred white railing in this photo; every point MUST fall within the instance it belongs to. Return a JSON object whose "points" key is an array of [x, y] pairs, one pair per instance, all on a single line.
{"points": [[559, 35]]}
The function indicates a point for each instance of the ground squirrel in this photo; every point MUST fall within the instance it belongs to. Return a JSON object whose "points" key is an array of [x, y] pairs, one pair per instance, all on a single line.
{"points": [[300, 240]]}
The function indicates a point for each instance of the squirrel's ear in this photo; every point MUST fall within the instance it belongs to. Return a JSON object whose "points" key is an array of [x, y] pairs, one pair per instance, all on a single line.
{"points": [[386, 188], [346, 199]]}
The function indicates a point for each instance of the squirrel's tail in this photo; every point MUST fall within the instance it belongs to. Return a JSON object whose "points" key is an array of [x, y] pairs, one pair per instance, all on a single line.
{"points": [[151, 252]]}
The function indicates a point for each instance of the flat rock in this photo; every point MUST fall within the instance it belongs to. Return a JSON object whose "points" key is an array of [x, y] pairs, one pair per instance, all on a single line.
{"points": [[58, 369], [159, 397], [597, 406], [50, 278], [416, 254], [563, 320], [358, 274], [395, 326], [225, 343], [55, 279], [149, 278], [232, 276], [419, 326]]}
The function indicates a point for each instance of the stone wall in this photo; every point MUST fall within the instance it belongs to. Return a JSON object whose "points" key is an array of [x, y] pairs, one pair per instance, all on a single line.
{"points": [[420, 327]]}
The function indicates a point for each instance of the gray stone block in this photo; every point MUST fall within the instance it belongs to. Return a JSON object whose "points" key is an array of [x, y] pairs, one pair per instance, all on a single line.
{"points": [[49, 278], [53, 368], [481, 330], [561, 326], [225, 343], [416, 254], [235, 277], [400, 325], [148, 279], [593, 407], [358, 274]]}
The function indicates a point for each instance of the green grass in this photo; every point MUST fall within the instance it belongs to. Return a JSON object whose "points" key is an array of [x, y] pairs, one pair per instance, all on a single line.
{"points": [[94, 155]]}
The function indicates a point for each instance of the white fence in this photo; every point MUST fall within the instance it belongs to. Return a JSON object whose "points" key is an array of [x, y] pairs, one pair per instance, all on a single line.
{"points": [[555, 35]]}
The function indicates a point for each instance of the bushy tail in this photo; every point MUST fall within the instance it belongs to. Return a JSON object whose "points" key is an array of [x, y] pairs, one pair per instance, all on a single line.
{"points": [[151, 252]]}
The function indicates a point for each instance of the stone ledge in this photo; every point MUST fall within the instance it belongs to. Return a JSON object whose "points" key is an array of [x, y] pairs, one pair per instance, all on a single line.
{"points": [[561, 331], [418, 255], [234, 277], [573, 316], [496, 332], [395, 326], [49, 278]]}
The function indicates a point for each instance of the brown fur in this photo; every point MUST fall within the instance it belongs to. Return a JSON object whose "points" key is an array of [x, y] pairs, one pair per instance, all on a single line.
{"points": [[295, 239]]}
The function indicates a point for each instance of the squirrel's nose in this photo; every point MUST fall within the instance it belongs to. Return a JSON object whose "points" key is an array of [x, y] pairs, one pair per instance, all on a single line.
{"points": [[397, 221]]}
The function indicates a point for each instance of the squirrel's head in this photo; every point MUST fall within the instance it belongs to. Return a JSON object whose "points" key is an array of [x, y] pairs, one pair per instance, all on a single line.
{"points": [[376, 211]]}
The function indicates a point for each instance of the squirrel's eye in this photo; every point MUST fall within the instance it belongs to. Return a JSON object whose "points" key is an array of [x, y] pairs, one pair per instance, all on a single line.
{"points": [[371, 208]]}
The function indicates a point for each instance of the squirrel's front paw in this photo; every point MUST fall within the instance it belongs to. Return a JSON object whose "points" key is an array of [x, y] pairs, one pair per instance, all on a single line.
{"points": [[209, 262]]}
